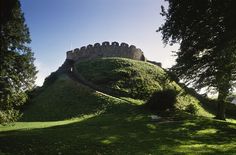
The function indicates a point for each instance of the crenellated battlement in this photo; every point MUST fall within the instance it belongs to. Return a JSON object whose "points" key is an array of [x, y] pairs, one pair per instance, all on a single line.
{"points": [[106, 50]]}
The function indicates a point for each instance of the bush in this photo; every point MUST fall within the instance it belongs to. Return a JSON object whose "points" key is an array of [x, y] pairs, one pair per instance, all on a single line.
{"points": [[172, 76], [192, 109], [162, 100], [9, 116]]}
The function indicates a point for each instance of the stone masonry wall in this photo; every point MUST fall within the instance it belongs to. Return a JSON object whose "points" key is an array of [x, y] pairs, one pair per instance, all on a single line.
{"points": [[106, 50]]}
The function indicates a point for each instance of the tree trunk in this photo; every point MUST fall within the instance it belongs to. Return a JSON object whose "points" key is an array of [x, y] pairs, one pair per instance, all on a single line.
{"points": [[221, 110], [221, 107]]}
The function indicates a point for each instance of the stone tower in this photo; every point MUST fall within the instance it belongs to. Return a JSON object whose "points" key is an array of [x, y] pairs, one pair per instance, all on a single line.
{"points": [[106, 50]]}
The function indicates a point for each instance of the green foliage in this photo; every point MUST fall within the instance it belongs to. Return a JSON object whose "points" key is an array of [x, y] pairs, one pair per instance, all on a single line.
{"points": [[9, 116], [17, 71], [162, 100], [187, 102], [172, 76], [191, 108], [206, 33]]}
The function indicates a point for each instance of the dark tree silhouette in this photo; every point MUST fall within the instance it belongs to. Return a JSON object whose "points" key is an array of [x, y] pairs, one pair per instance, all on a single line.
{"points": [[17, 71], [206, 31]]}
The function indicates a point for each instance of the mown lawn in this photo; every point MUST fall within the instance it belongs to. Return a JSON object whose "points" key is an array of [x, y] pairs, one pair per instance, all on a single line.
{"points": [[120, 132]]}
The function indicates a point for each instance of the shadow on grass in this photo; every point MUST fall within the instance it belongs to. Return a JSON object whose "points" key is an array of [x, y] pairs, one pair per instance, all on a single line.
{"points": [[121, 131]]}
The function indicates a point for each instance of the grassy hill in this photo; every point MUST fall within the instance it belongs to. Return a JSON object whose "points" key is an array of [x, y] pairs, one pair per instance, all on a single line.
{"points": [[124, 77], [65, 98], [135, 79], [68, 117], [123, 81]]}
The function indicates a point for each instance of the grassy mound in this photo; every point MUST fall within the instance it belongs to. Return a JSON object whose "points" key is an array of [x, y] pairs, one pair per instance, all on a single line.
{"points": [[65, 99], [128, 80], [124, 77], [135, 79]]}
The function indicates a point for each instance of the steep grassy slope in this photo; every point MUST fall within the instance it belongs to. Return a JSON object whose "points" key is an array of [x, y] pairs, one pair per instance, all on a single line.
{"points": [[65, 99], [124, 77], [135, 79]]}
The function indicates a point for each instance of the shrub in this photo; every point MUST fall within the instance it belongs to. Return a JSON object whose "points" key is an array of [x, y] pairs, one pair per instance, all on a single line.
{"points": [[191, 108], [9, 116], [162, 100], [172, 76]]}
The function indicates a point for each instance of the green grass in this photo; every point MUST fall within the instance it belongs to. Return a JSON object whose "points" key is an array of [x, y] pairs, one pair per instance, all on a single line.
{"points": [[124, 77], [41, 125], [136, 79], [119, 132], [68, 118], [65, 99]]}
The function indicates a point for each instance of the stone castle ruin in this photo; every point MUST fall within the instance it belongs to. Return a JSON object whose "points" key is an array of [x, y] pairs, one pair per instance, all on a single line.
{"points": [[102, 50], [106, 50], [90, 52]]}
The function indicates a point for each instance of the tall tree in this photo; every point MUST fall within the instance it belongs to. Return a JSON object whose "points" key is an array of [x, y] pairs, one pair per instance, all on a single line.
{"points": [[206, 31], [17, 71]]}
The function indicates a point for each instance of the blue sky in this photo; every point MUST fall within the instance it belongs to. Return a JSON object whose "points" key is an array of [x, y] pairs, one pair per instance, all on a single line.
{"points": [[56, 26]]}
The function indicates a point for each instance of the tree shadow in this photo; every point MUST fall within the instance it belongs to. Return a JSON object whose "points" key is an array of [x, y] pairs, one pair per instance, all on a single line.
{"points": [[124, 133]]}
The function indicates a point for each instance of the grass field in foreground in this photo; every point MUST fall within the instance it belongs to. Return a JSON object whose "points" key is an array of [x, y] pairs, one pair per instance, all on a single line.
{"points": [[120, 133]]}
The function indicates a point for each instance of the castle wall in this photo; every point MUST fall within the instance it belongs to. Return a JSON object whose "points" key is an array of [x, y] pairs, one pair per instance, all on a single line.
{"points": [[106, 50]]}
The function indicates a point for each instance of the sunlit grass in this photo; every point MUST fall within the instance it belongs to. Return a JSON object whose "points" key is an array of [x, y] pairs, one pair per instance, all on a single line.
{"points": [[41, 125], [206, 131], [120, 133], [231, 120]]}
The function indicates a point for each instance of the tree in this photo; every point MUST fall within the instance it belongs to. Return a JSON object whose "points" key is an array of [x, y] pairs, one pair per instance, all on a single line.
{"points": [[17, 71], [205, 30]]}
